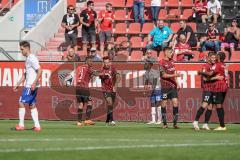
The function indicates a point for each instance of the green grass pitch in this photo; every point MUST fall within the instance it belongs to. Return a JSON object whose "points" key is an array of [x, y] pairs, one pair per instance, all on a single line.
{"points": [[128, 140]]}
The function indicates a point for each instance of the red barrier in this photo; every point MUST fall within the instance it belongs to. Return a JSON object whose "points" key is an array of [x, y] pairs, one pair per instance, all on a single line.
{"points": [[58, 102]]}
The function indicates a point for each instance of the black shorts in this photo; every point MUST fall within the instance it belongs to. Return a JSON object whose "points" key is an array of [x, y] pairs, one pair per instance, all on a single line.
{"points": [[219, 97], [110, 94], [83, 95], [207, 97], [169, 93]]}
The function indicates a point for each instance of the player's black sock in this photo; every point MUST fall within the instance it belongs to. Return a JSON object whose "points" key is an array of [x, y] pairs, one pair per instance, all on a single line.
{"points": [[220, 113], [175, 115], [164, 115], [109, 114], [199, 113], [208, 114], [80, 113], [88, 112]]}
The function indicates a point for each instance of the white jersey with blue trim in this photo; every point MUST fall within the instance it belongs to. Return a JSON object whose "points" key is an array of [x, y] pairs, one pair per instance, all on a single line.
{"points": [[31, 66]]}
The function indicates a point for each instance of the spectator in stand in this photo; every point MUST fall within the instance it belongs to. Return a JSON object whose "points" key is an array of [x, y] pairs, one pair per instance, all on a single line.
{"points": [[88, 19], [200, 11], [188, 32], [213, 10], [70, 22], [161, 36], [106, 19], [211, 40], [71, 55], [232, 37], [138, 10], [183, 49], [155, 8], [93, 54]]}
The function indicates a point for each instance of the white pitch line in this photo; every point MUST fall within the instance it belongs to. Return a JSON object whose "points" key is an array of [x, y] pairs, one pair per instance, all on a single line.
{"points": [[77, 139], [95, 139], [58, 149]]}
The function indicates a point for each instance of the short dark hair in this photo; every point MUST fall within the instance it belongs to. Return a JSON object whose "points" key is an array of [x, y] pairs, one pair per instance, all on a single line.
{"points": [[106, 58], [89, 3], [24, 44], [211, 54], [108, 4], [88, 58], [72, 46], [167, 49], [222, 56]]}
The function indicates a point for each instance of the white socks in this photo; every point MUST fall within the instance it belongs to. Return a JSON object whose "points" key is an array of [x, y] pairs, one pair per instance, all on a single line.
{"points": [[153, 113], [34, 114], [21, 113], [159, 114]]}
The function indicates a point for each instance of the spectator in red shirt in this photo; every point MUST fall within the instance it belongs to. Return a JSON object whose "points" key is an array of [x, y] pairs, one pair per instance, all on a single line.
{"points": [[200, 11], [106, 19], [183, 49]]}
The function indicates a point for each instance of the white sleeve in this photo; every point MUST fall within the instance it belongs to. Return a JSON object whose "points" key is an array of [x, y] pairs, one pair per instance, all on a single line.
{"points": [[35, 63], [208, 5], [218, 5]]}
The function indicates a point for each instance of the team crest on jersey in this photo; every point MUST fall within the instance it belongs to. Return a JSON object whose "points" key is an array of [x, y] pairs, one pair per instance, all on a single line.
{"points": [[65, 77]]}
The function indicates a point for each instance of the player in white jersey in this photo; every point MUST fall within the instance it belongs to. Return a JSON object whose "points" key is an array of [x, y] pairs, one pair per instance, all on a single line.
{"points": [[31, 76]]}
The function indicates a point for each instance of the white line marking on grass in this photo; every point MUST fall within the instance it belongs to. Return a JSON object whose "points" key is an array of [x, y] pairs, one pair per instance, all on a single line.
{"points": [[98, 139], [58, 149], [78, 139]]}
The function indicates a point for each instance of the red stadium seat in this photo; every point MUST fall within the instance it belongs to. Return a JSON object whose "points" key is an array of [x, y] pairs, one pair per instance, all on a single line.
{"points": [[136, 55], [175, 27], [120, 15], [162, 14], [145, 41], [147, 14], [187, 3], [235, 56], [193, 25], [134, 28], [196, 56], [172, 3], [121, 39], [120, 28], [187, 13], [136, 42], [147, 3], [174, 13], [119, 3], [4, 3], [129, 3], [147, 27], [130, 15]]}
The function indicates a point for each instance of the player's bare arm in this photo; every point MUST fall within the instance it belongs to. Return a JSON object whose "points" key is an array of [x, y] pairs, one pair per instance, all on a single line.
{"points": [[39, 73], [19, 82]]}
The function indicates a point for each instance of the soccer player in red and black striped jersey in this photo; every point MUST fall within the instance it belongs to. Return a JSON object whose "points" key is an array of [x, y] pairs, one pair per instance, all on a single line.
{"points": [[110, 79], [207, 95], [84, 74], [169, 86], [220, 88]]}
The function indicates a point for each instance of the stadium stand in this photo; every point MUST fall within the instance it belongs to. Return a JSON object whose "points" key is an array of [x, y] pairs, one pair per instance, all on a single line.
{"points": [[137, 34]]}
